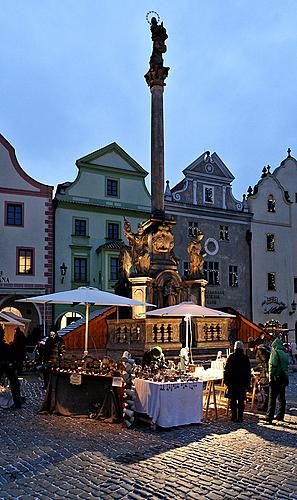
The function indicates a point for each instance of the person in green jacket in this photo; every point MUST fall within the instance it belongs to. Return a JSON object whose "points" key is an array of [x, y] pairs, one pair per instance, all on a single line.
{"points": [[278, 380]]}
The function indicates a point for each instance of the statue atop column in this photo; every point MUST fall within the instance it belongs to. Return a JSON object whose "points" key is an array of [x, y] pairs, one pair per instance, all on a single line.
{"points": [[157, 72]]}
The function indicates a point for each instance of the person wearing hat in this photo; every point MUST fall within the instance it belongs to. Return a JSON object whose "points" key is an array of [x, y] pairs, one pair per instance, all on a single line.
{"points": [[237, 378], [8, 368]]}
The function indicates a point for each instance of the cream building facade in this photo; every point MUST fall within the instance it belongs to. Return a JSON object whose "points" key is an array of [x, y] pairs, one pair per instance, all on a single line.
{"points": [[273, 202]]}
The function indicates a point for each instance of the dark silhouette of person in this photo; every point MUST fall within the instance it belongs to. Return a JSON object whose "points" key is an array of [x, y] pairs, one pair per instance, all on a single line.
{"points": [[19, 348], [8, 368], [237, 377], [52, 354]]}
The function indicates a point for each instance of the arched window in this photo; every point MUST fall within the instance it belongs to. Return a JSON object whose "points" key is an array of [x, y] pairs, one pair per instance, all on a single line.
{"points": [[271, 203]]}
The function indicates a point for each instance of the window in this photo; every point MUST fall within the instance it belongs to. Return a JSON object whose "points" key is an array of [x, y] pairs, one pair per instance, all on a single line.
{"points": [[271, 284], [80, 227], [208, 194], [14, 214], [271, 204], [112, 187], [233, 276], [193, 228], [224, 233], [80, 269], [270, 242], [25, 261], [114, 269], [113, 231], [186, 268], [295, 285], [211, 273]]}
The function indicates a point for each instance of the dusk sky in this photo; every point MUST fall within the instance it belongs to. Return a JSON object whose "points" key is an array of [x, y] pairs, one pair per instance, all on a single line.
{"points": [[72, 82]]}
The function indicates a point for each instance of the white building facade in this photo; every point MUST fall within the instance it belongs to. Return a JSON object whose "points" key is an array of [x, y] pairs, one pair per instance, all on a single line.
{"points": [[273, 202], [26, 230]]}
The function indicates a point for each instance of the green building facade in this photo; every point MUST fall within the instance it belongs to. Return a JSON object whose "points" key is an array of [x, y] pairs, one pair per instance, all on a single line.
{"points": [[89, 216]]}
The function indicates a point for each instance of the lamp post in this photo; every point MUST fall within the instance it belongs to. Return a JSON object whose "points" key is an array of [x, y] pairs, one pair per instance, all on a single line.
{"points": [[293, 307], [63, 269]]}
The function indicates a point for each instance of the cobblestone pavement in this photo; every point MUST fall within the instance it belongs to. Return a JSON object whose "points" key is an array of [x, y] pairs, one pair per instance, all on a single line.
{"points": [[43, 456]]}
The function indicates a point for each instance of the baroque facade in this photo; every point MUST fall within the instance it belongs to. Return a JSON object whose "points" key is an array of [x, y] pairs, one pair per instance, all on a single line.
{"points": [[26, 229], [203, 201], [273, 202], [89, 221]]}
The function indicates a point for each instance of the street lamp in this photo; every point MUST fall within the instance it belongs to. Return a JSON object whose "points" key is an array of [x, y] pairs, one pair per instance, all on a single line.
{"points": [[293, 307], [63, 269]]}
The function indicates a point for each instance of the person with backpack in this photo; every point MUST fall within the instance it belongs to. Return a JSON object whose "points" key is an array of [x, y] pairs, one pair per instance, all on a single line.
{"points": [[278, 381]]}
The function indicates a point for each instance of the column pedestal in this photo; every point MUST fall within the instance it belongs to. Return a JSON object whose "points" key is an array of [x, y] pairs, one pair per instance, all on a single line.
{"points": [[140, 291], [197, 291]]}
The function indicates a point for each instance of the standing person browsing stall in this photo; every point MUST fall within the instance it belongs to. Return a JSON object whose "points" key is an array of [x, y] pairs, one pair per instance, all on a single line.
{"points": [[237, 377], [278, 380]]}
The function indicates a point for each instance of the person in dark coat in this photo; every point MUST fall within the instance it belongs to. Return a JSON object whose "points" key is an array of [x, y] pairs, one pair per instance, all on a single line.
{"points": [[237, 378], [19, 347], [52, 354], [8, 368]]}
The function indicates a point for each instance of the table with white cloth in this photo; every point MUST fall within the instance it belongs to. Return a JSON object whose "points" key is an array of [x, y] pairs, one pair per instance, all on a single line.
{"points": [[169, 404]]}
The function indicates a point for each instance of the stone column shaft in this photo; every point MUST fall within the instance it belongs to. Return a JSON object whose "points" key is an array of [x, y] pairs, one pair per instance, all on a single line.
{"points": [[157, 151]]}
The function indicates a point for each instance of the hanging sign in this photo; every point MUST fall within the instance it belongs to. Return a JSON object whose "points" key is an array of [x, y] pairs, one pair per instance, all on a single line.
{"points": [[117, 382], [75, 379]]}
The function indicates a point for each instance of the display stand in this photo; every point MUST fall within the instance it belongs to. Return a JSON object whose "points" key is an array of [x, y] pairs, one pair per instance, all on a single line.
{"points": [[209, 392]]}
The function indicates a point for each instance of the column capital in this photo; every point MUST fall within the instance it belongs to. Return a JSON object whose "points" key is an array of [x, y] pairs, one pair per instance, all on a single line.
{"points": [[156, 76]]}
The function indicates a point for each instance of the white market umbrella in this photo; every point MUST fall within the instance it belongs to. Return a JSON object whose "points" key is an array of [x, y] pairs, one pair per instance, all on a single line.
{"points": [[87, 295], [186, 310]]}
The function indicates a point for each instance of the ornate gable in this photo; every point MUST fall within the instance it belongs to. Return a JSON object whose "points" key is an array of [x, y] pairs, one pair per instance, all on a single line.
{"points": [[209, 167], [13, 178]]}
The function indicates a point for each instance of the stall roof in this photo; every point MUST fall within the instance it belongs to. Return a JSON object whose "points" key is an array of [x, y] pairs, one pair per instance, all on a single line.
{"points": [[82, 321]]}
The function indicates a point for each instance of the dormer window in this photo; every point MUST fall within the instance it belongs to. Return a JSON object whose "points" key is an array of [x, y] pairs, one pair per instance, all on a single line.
{"points": [[208, 194], [271, 203]]}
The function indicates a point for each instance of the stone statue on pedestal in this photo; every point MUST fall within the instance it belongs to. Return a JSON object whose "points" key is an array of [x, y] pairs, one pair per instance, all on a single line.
{"points": [[138, 243], [196, 254]]}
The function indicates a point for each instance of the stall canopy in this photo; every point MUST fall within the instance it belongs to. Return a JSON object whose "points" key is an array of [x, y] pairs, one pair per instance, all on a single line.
{"points": [[186, 310], [88, 296], [189, 308], [8, 320]]}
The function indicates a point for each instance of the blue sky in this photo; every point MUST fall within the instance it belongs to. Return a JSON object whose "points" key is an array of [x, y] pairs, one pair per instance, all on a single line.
{"points": [[72, 82]]}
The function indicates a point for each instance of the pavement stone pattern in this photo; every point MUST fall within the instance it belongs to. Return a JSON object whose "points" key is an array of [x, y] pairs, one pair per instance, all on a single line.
{"points": [[54, 457]]}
